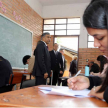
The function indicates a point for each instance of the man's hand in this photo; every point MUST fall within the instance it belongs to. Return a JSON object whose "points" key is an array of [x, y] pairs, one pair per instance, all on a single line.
{"points": [[51, 73], [61, 72], [45, 75]]}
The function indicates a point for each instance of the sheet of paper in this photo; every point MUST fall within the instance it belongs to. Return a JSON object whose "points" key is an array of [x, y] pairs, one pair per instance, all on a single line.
{"points": [[65, 91]]}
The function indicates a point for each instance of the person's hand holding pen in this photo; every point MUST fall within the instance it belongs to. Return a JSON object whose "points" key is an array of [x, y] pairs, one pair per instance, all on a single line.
{"points": [[93, 92], [78, 83]]}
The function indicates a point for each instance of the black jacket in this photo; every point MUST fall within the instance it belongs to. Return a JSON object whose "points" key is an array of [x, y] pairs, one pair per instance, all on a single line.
{"points": [[64, 64], [5, 71], [96, 81], [73, 67], [94, 68], [56, 61], [42, 60]]}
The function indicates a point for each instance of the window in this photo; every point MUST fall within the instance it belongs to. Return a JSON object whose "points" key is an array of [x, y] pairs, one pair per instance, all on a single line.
{"points": [[64, 26], [90, 41]]}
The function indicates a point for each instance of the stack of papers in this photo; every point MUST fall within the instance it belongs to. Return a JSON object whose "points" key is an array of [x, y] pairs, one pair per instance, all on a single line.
{"points": [[64, 91]]}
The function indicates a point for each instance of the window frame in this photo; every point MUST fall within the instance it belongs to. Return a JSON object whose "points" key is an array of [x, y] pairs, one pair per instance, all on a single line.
{"points": [[89, 41], [61, 24]]}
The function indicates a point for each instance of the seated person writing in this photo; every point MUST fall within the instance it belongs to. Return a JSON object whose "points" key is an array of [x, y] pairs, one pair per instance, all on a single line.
{"points": [[103, 65], [95, 19], [93, 67]]}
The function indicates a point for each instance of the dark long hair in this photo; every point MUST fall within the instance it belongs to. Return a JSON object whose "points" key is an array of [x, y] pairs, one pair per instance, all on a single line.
{"points": [[103, 60], [96, 16]]}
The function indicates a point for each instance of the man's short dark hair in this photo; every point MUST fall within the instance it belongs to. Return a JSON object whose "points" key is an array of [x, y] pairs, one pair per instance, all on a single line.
{"points": [[44, 34], [25, 58], [61, 49]]}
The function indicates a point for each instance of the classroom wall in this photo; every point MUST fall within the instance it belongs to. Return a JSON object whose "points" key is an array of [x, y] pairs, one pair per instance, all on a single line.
{"points": [[87, 53], [31, 20], [36, 5], [68, 11]]}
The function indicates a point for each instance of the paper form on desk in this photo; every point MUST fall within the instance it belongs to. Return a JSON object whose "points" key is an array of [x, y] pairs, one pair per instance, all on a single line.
{"points": [[64, 91]]}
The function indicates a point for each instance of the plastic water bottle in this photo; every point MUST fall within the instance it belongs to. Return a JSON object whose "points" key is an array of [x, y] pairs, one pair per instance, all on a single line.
{"points": [[86, 70]]}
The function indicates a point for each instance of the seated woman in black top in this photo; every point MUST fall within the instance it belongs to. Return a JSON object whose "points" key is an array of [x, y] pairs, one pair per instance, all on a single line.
{"points": [[95, 20], [103, 65], [93, 67], [5, 71]]}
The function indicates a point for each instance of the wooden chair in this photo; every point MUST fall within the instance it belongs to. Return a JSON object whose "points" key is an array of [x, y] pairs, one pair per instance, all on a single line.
{"points": [[14, 79], [7, 87], [17, 78]]}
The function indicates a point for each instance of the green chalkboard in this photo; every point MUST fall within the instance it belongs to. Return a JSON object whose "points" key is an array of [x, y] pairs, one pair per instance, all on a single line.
{"points": [[15, 42]]}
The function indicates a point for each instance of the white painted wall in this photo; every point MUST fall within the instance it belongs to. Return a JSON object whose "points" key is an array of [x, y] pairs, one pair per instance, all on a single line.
{"points": [[66, 11], [35, 5]]}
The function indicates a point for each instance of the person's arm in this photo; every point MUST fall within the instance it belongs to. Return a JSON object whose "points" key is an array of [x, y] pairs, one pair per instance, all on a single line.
{"points": [[94, 81], [100, 95], [41, 58], [31, 64], [82, 82]]}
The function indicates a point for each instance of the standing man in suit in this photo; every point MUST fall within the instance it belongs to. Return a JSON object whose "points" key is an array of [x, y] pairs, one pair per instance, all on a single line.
{"points": [[64, 66], [56, 63], [42, 66], [73, 67]]}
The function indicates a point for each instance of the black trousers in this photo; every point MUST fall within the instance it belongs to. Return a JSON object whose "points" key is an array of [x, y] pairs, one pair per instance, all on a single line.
{"points": [[40, 80], [55, 77], [59, 80]]}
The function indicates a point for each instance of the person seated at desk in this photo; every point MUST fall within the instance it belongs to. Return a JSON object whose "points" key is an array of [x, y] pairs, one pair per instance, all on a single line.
{"points": [[103, 65], [93, 67], [95, 19], [5, 71], [27, 59], [30, 60]]}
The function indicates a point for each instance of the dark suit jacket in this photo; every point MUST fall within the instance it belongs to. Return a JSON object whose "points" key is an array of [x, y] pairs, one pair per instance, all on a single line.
{"points": [[5, 71], [64, 64], [73, 67], [42, 60], [56, 61]]}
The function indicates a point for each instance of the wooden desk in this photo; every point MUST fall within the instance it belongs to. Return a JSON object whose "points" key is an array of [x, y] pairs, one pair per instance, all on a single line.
{"points": [[32, 97]]}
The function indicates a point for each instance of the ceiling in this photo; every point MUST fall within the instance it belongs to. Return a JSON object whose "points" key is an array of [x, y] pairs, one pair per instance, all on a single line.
{"points": [[61, 2]]}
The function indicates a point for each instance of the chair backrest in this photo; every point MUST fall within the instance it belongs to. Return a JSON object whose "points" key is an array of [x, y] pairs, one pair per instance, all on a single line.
{"points": [[6, 88], [17, 78], [14, 79]]}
